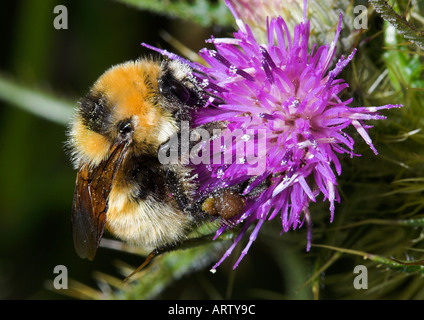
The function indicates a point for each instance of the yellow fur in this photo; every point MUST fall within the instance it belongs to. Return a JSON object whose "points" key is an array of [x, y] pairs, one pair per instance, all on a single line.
{"points": [[146, 223], [89, 146]]}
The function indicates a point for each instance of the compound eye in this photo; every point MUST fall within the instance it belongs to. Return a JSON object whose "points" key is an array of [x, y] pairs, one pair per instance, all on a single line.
{"points": [[170, 86], [125, 129], [180, 90]]}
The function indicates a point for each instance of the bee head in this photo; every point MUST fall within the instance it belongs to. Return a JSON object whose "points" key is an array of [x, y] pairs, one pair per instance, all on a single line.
{"points": [[134, 103]]}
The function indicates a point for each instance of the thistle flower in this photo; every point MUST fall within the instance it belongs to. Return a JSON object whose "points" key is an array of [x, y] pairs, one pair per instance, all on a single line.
{"points": [[281, 96], [284, 94]]}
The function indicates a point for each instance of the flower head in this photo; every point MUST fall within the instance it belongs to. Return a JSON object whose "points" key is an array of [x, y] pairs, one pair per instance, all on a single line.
{"points": [[281, 96]]}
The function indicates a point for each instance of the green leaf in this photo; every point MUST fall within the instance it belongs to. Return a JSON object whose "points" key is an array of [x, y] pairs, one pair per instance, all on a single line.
{"points": [[36, 102], [400, 265], [400, 23]]}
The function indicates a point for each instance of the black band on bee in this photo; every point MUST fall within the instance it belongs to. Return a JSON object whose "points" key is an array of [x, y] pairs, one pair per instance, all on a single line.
{"points": [[154, 180], [94, 113], [145, 172], [177, 190]]}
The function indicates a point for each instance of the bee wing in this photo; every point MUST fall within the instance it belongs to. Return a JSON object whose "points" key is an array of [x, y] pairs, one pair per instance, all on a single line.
{"points": [[88, 215], [90, 202]]}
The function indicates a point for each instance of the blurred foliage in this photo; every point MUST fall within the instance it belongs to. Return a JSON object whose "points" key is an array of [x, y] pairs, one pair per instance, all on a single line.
{"points": [[36, 101], [379, 222], [203, 12]]}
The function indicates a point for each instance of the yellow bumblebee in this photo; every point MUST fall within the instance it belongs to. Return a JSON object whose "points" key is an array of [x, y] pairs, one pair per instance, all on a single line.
{"points": [[121, 186]]}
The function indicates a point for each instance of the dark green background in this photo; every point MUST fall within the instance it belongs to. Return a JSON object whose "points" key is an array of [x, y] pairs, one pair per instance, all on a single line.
{"points": [[37, 179]]}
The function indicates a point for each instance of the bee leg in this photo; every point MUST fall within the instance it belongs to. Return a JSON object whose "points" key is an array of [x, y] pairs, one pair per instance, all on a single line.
{"points": [[186, 244], [149, 258]]}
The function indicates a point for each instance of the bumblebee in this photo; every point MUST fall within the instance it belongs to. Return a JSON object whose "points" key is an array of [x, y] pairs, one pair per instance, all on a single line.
{"points": [[130, 112]]}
